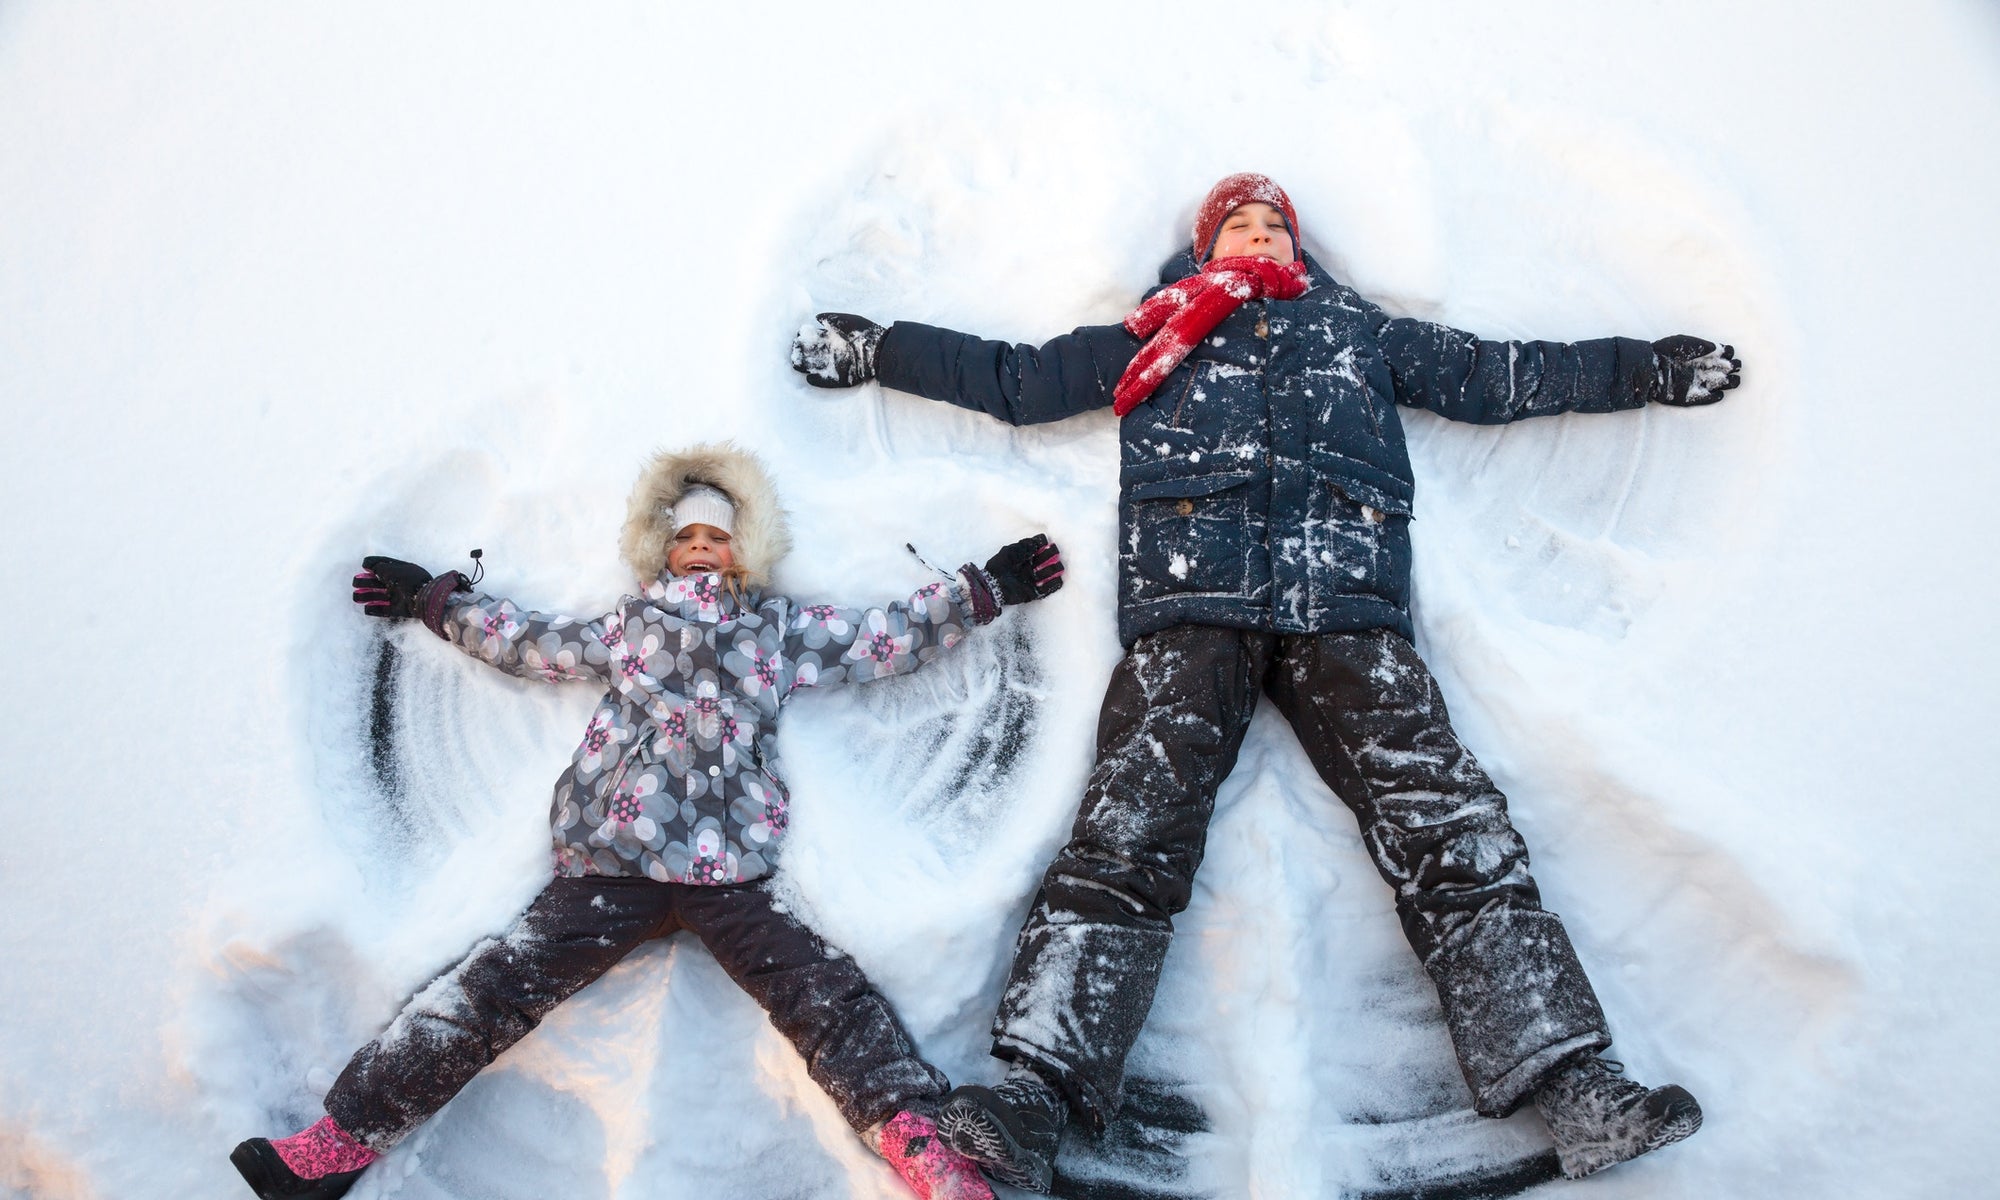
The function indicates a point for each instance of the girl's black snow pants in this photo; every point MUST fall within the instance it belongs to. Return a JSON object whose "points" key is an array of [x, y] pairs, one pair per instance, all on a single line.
{"points": [[579, 928], [1372, 720]]}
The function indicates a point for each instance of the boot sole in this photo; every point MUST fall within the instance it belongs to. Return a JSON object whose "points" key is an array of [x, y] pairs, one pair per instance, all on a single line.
{"points": [[1679, 1116], [268, 1176], [975, 1123]]}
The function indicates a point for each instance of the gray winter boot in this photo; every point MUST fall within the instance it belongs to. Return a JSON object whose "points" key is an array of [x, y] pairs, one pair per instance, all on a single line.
{"points": [[1010, 1130], [1600, 1119]]}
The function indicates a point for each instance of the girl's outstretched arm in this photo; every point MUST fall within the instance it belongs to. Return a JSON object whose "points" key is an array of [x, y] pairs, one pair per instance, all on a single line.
{"points": [[531, 645], [826, 644]]}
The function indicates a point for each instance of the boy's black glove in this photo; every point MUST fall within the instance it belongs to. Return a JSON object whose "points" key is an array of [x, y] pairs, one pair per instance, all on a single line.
{"points": [[1691, 371], [397, 590], [836, 350]]}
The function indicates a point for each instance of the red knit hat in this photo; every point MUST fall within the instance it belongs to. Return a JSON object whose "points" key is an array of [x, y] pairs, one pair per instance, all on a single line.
{"points": [[1232, 193]]}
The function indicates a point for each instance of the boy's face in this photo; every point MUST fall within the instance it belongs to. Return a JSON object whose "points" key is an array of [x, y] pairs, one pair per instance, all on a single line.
{"points": [[699, 550], [1254, 229]]}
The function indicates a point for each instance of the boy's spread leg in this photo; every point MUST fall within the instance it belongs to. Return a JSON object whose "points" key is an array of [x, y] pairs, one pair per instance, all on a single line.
{"points": [[854, 1046], [573, 932], [1089, 957], [1515, 997]]}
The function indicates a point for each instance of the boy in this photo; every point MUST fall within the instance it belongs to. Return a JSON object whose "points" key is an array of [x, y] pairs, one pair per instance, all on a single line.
{"points": [[1264, 546]]}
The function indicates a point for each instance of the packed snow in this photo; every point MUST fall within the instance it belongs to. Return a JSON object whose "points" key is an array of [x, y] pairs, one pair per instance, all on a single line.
{"points": [[281, 285]]}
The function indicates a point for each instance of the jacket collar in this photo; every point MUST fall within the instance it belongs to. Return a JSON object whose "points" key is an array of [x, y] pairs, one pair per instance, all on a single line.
{"points": [[1182, 264], [700, 597]]}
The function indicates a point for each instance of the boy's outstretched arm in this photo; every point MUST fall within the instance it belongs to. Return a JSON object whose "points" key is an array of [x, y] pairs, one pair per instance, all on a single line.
{"points": [[1465, 378], [825, 645], [531, 645], [1018, 384]]}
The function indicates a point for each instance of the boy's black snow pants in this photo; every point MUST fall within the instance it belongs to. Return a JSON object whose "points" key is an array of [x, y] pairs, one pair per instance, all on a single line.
{"points": [[579, 928], [1372, 720]]}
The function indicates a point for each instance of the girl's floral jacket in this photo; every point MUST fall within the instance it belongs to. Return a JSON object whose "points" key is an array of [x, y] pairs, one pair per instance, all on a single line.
{"points": [[677, 775]]}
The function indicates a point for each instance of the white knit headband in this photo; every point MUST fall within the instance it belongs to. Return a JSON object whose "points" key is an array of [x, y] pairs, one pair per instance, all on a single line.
{"points": [[704, 505]]}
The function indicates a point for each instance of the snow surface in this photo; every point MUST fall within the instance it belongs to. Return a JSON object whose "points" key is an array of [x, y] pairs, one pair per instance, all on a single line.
{"points": [[283, 284]]}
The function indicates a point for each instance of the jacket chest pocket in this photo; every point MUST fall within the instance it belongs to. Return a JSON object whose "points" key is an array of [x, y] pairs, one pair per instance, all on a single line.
{"points": [[1347, 393], [1189, 535]]}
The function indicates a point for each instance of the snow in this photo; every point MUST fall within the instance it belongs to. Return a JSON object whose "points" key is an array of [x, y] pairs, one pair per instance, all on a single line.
{"points": [[283, 285]]}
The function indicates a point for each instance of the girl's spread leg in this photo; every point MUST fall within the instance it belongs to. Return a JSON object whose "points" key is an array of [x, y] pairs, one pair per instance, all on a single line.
{"points": [[854, 1046], [573, 932]]}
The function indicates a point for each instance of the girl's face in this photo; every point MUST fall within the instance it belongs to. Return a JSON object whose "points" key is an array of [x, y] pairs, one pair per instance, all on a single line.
{"points": [[700, 550], [1254, 229]]}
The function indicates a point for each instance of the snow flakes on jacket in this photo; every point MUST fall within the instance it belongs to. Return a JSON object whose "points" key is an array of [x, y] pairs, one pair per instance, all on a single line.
{"points": [[1266, 483], [676, 778]]}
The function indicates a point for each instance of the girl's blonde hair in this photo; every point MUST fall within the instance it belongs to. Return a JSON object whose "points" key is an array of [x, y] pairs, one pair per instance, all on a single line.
{"points": [[736, 581]]}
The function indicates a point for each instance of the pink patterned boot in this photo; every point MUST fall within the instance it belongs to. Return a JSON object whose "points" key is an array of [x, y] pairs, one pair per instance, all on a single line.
{"points": [[933, 1170], [319, 1162]]}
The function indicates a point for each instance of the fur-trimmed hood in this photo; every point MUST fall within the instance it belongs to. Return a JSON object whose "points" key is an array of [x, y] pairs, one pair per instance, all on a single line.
{"points": [[762, 535]]}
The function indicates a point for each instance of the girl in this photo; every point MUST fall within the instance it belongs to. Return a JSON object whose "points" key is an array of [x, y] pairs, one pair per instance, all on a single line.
{"points": [[668, 818]]}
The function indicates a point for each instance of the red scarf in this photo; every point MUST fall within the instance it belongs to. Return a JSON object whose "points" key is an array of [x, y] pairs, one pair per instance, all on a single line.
{"points": [[1178, 317]]}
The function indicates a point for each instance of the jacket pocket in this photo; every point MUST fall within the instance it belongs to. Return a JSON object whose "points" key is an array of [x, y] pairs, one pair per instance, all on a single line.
{"points": [[1364, 543], [1363, 482], [1187, 535], [1174, 484], [1376, 507], [613, 810]]}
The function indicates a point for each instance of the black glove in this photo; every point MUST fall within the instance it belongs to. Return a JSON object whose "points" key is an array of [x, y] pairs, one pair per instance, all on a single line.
{"points": [[398, 590], [389, 587], [1691, 371], [836, 350], [1027, 570]]}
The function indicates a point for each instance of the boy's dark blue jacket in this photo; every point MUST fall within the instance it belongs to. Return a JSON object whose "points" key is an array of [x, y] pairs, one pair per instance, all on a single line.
{"points": [[1266, 483]]}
